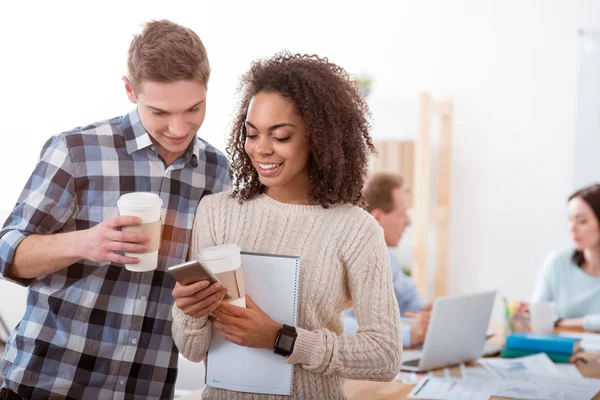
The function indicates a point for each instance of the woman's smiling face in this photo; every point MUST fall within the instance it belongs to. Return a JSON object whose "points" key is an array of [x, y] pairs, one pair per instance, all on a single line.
{"points": [[278, 146]]}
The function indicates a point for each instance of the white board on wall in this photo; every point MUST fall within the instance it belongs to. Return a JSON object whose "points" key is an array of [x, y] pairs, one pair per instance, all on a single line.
{"points": [[587, 132]]}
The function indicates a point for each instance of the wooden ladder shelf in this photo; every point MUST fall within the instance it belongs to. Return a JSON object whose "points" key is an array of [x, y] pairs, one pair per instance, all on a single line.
{"points": [[415, 160]]}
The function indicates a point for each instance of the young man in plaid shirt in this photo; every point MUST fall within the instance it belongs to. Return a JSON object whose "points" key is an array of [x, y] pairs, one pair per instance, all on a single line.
{"points": [[92, 329]]}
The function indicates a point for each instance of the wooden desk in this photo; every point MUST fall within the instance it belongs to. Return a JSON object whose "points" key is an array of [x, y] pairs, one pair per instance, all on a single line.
{"points": [[588, 365]]}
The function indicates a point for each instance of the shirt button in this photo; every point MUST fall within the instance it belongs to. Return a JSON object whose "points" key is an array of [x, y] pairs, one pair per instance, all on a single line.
{"points": [[134, 341], [122, 382], [144, 298]]}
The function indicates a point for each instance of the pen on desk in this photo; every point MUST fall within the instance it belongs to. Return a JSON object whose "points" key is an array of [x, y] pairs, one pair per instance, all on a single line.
{"points": [[410, 314], [423, 384]]}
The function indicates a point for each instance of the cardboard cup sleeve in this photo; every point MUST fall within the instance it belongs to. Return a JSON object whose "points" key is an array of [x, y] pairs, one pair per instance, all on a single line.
{"points": [[152, 229], [234, 282]]}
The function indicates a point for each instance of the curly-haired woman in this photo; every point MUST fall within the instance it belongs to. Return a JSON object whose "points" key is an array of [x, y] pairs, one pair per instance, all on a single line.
{"points": [[299, 148]]}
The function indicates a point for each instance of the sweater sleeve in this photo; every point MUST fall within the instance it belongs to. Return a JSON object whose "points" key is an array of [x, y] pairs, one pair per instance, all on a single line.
{"points": [[374, 351], [591, 322], [543, 290], [192, 335]]}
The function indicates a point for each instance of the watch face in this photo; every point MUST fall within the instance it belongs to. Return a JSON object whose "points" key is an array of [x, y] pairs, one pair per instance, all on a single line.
{"points": [[285, 342]]}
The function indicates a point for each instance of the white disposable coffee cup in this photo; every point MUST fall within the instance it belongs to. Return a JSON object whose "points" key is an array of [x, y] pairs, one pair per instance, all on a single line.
{"points": [[543, 317], [223, 258], [146, 206]]}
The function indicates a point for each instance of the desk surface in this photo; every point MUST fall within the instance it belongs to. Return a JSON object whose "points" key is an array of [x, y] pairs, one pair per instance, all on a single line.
{"points": [[358, 390], [589, 366]]}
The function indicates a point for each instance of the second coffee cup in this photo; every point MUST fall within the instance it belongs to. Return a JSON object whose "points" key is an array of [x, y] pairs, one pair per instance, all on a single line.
{"points": [[543, 316], [226, 263]]}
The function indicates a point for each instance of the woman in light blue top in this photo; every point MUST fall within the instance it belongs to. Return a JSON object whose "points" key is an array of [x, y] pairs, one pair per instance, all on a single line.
{"points": [[571, 278]]}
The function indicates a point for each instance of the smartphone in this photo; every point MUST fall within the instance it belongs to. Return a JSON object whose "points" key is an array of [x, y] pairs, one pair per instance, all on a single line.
{"points": [[193, 271]]}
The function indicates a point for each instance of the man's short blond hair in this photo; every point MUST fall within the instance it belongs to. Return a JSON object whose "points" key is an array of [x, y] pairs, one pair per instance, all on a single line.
{"points": [[167, 52], [378, 191]]}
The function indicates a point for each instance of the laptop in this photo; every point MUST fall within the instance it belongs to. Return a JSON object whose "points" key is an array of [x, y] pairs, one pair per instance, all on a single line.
{"points": [[457, 331]]}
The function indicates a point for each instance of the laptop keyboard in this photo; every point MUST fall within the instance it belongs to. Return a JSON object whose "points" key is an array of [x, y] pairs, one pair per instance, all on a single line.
{"points": [[412, 363]]}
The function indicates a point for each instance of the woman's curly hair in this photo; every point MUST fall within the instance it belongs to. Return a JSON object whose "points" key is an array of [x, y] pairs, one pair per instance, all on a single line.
{"points": [[335, 116]]}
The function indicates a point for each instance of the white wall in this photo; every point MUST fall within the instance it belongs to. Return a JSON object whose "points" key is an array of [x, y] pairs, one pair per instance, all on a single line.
{"points": [[513, 72], [510, 65], [587, 134]]}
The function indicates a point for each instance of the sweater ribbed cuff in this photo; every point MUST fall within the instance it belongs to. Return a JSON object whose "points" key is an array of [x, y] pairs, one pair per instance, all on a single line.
{"points": [[186, 322], [306, 349]]}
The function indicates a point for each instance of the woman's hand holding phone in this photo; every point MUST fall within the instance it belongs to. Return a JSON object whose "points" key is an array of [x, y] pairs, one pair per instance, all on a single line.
{"points": [[200, 298]]}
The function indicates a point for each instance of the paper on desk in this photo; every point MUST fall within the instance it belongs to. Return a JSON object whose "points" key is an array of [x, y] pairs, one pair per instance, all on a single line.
{"points": [[522, 368], [589, 341], [478, 371], [440, 388], [569, 371], [549, 388], [539, 388]]}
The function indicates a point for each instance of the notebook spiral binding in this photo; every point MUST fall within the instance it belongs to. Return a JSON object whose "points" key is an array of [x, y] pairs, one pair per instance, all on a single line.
{"points": [[296, 294]]}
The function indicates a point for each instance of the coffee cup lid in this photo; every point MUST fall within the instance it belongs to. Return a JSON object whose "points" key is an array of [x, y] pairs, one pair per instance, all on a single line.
{"points": [[214, 252], [140, 200]]}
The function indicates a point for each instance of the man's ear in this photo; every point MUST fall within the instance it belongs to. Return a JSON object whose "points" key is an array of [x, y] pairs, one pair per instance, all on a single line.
{"points": [[377, 214], [129, 90]]}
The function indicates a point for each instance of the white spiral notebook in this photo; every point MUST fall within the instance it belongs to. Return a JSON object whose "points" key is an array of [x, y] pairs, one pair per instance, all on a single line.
{"points": [[272, 282]]}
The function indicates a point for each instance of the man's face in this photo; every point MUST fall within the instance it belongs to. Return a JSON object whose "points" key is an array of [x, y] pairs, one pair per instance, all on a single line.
{"points": [[171, 113], [396, 221]]}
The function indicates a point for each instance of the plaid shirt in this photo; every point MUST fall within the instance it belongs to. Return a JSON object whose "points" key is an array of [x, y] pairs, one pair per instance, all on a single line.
{"points": [[96, 330]]}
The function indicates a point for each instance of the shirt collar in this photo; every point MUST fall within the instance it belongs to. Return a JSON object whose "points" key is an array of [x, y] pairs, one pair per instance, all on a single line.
{"points": [[195, 154], [191, 153], [136, 137]]}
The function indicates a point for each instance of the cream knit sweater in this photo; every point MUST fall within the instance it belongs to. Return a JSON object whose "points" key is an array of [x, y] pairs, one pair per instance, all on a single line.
{"points": [[344, 262]]}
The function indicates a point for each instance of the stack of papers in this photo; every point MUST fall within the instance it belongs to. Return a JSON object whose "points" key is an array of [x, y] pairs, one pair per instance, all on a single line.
{"points": [[452, 389], [533, 377], [522, 368], [546, 388], [482, 389]]}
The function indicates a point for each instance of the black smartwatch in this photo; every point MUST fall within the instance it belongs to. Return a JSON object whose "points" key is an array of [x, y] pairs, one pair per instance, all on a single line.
{"points": [[286, 338]]}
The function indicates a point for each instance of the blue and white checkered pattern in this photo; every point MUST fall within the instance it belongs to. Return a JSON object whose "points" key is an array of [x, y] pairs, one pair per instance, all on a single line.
{"points": [[96, 330]]}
